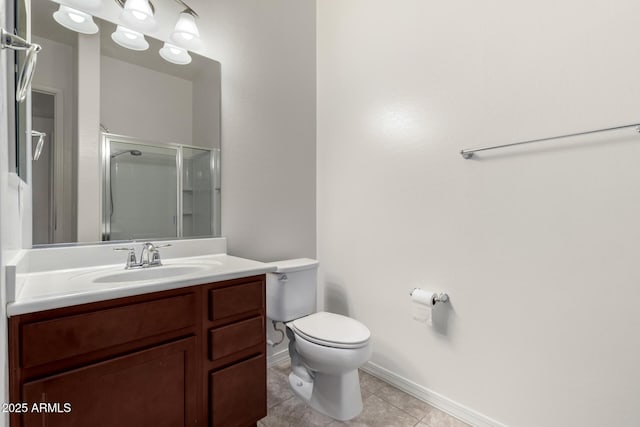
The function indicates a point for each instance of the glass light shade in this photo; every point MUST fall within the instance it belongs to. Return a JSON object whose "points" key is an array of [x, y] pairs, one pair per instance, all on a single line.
{"points": [[129, 38], [137, 14], [75, 20], [186, 32], [84, 4], [175, 54]]}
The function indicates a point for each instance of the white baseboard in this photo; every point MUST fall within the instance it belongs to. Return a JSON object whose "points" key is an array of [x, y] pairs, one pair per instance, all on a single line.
{"points": [[441, 402], [278, 358]]}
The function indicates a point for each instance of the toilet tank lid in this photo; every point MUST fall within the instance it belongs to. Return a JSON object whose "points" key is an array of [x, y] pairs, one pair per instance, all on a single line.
{"points": [[291, 265]]}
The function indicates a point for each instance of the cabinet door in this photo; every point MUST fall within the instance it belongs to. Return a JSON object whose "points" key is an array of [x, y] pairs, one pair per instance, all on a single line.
{"points": [[155, 387], [239, 393]]}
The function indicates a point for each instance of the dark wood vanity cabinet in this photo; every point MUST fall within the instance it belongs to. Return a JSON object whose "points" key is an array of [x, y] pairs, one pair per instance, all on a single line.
{"points": [[234, 356], [185, 357]]}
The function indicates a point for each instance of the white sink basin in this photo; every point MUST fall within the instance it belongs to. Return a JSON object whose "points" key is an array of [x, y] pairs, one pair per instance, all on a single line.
{"points": [[150, 273], [168, 271]]}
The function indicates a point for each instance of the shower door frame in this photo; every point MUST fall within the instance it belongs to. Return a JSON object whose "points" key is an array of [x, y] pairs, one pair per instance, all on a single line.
{"points": [[105, 147]]}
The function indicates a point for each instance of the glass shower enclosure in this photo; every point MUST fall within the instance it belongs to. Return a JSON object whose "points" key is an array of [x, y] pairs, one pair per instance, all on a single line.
{"points": [[159, 191]]}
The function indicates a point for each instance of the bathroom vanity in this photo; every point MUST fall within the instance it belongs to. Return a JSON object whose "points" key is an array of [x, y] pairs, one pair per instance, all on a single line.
{"points": [[192, 354]]}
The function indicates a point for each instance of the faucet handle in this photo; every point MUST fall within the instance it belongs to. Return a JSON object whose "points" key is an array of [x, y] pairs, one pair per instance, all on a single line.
{"points": [[155, 253], [131, 256]]}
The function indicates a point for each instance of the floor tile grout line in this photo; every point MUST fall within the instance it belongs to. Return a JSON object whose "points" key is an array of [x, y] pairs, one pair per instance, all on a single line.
{"points": [[424, 416], [374, 393], [400, 409]]}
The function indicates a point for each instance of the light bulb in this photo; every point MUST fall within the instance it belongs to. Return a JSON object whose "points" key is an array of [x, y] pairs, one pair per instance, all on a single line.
{"points": [[175, 54], [137, 14], [75, 20], [130, 39], [186, 32]]}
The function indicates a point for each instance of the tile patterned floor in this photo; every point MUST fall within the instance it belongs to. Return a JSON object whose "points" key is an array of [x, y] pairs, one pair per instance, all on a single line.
{"points": [[384, 406]]}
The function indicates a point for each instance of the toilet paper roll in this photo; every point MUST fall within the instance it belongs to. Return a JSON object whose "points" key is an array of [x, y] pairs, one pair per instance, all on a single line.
{"points": [[422, 303]]}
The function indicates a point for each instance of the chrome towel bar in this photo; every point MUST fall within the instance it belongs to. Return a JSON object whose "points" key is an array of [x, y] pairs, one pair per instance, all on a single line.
{"points": [[14, 42], [468, 153], [40, 144]]}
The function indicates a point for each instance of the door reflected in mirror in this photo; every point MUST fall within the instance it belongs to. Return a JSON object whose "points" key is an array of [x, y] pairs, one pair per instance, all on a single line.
{"points": [[43, 120], [87, 86]]}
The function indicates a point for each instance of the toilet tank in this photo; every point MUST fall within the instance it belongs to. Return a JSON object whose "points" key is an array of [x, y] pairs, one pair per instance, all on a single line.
{"points": [[291, 289]]}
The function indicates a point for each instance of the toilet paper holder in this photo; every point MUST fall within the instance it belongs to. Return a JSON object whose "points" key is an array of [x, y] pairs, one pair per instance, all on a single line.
{"points": [[441, 297]]}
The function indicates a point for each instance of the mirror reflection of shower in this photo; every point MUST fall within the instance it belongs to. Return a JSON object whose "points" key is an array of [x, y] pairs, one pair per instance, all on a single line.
{"points": [[133, 153], [154, 190], [137, 170]]}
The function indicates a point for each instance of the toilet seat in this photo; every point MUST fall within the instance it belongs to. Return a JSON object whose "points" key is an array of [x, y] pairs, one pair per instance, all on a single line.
{"points": [[331, 330]]}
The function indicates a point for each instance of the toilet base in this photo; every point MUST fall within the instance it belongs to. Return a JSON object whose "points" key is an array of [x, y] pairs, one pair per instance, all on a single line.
{"points": [[337, 396]]}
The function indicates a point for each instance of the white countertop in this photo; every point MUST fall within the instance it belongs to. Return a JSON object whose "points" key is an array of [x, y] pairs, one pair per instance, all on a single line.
{"points": [[44, 290]]}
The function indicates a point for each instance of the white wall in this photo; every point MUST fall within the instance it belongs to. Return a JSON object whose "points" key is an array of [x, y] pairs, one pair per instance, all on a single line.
{"points": [[267, 52], [537, 247], [89, 179], [206, 107], [152, 117]]}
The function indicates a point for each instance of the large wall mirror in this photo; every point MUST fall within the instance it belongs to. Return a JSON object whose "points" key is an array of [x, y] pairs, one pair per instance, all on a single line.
{"points": [[132, 142]]}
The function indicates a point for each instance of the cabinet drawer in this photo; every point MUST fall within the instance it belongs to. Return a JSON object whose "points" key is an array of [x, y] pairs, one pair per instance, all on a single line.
{"points": [[64, 337], [238, 395], [235, 337], [237, 299]]}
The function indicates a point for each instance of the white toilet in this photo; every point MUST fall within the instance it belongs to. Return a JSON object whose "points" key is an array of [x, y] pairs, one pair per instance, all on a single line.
{"points": [[326, 349]]}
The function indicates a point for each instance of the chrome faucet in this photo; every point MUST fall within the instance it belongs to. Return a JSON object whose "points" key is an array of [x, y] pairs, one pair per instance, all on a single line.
{"points": [[131, 258], [149, 257]]}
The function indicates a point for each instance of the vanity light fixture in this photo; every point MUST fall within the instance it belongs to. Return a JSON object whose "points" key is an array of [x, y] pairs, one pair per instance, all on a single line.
{"points": [[75, 20], [175, 54], [130, 39], [138, 14], [186, 32]]}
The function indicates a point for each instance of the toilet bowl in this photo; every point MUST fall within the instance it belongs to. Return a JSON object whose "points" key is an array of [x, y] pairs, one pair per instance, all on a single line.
{"points": [[326, 349]]}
